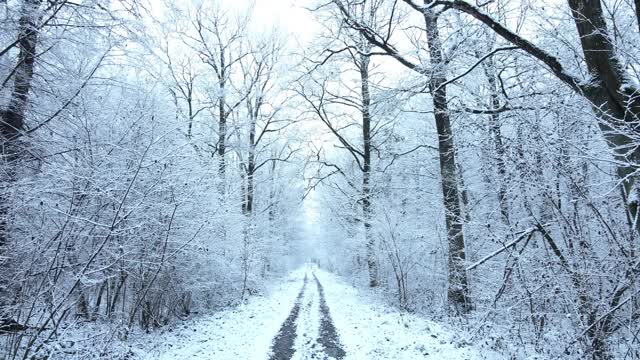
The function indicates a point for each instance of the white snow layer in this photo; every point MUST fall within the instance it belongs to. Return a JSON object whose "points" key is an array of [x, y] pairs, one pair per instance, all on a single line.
{"points": [[371, 330], [368, 330]]}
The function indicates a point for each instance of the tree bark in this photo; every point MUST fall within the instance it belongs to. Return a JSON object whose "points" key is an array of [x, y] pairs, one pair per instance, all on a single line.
{"points": [[496, 135], [190, 114], [96, 307], [251, 165], [458, 289], [366, 170], [13, 116], [12, 120], [222, 139], [222, 127], [637, 3], [617, 105]]}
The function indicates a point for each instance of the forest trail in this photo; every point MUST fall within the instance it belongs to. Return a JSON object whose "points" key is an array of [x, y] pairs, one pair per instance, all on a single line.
{"points": [[312, 314], [310, 333]]}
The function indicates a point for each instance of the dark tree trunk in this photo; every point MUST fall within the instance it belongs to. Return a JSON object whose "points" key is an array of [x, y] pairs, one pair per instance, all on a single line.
{"points": [[222, 140], [96, 308], [12, 120], [637, 3], [191, 115], [251, 167], [248, 194], [222, 135], [82, 307], [618, 106], [496, 135], [458, 291], [272, 194], [13, 116], [116, 293], [366, 171]]}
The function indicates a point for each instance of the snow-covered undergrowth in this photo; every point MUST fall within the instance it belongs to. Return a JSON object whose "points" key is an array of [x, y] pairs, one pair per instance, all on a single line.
{"points": [[244, 332]]}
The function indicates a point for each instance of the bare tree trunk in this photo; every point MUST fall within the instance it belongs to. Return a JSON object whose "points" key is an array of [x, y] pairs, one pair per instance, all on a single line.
{"points": [[247, 203], [190, 114], [96, 307], [222, 142], [82, 307], [496, 135], [245, 255], [222, 132], [458, 291], [464, 196], [617, 106], [251, 167], [13, 117], [272, 197], [116, 293], [637, 3], [12, 120], [372, 263]]}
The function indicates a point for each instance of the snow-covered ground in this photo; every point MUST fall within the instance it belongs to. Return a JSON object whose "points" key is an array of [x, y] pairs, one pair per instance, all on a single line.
{"points": [[245, 332], [367, 330], [371, 330]]}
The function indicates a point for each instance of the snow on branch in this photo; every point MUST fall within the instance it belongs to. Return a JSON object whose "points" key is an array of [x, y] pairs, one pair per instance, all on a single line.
{"points": [[528, 233]]}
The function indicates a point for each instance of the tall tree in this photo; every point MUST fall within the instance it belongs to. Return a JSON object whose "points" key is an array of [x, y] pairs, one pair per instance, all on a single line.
{"points": [[264, 123], [458, 292], [220, 40], [352, 48], [12, 116]]}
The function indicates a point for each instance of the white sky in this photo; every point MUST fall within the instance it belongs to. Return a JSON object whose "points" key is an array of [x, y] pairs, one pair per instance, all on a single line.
{"points": [[288, 13]]}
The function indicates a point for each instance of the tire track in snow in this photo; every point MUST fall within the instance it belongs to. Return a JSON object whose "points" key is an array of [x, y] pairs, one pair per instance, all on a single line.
{"points": [[307, 346], [283, 343], [328, 335], [308, 332]]}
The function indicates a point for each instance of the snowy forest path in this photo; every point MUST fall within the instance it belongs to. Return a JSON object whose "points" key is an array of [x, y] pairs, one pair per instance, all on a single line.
{"points": [[308, 332], [309, 314]]}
